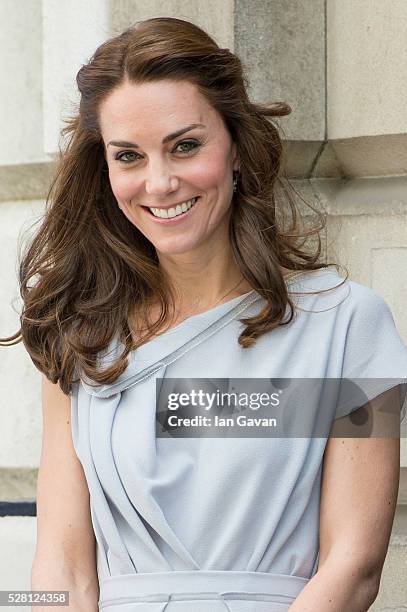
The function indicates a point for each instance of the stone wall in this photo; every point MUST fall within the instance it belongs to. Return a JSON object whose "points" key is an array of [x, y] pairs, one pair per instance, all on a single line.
{"points": [[341, 66]]}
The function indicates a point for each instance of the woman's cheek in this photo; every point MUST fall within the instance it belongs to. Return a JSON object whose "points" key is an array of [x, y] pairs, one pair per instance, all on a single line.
{"points": [[213, 175], [122, 188], [204, 172]]}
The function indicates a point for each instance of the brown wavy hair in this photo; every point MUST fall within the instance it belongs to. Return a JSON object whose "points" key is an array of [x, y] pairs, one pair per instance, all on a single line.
{"points": [[93, 267]]}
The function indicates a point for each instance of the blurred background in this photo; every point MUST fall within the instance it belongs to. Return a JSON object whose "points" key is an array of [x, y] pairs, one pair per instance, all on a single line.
{"points": [[342, 67]]}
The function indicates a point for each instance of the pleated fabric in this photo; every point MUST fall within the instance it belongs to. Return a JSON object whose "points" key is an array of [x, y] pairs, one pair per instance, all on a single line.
{"points": [[218, 523]]}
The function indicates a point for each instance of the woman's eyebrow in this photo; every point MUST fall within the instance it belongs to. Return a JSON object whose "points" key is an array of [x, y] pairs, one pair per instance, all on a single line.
{"points": [[125, 143]]}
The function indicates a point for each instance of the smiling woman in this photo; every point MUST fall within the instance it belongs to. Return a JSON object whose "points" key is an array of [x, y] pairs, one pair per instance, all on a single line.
{"points": [[164, 204], [152, 182], [164, 214]]}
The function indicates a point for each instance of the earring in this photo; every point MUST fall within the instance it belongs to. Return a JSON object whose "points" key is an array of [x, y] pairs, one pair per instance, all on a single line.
{"points": [[235, 175]]}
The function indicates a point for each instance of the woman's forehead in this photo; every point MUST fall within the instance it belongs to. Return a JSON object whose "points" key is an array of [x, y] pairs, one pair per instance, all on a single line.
{"points": [[159, 107], [165, 95]]}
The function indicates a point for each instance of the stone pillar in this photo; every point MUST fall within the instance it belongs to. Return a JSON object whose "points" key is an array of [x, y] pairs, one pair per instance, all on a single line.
{"points": [[72, 31], [282, 43]]}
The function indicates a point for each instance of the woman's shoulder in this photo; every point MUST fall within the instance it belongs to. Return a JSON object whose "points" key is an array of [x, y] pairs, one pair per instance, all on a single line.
{"points": [[354, 324], [325, 289]]}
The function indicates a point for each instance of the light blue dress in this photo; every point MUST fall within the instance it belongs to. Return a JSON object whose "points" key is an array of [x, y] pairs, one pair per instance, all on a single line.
{"points": [[212, 524]]}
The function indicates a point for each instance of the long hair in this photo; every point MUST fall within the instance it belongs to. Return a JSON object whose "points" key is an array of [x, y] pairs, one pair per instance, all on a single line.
{"points": [[92, 267]]}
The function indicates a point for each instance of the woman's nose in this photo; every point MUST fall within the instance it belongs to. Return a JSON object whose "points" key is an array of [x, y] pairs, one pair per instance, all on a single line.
{"points": [[160, 181]]}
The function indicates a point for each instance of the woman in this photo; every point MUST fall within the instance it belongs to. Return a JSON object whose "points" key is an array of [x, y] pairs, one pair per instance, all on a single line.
{"points": [[165, 255]]}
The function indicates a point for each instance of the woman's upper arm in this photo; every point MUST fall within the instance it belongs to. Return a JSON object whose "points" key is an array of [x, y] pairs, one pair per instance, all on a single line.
{"points": [[360, 480], [64, 528]]}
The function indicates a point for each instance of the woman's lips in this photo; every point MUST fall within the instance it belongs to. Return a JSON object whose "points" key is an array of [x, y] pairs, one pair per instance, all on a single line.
{"points": [[172, 220]]}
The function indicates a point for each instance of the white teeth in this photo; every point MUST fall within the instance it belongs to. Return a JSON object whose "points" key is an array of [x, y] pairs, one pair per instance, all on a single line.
{"points": [[168, 213]]}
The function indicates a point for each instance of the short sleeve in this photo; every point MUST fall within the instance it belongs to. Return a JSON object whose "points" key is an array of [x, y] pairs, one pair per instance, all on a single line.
{"points": [[74, 396], [375, 356]]}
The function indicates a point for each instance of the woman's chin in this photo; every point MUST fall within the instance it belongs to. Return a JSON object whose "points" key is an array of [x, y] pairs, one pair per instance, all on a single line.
{"points": [[175, 248]]}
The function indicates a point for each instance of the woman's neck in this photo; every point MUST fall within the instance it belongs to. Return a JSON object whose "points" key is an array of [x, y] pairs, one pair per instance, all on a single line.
{"points": [[200, 282]]}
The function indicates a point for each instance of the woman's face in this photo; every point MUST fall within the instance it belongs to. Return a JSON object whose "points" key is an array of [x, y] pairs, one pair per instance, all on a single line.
{"points": [[151, 166]]}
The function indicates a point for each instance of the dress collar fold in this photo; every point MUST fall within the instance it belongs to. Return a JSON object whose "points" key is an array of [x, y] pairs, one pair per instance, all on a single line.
{"points": [[152, 357]]}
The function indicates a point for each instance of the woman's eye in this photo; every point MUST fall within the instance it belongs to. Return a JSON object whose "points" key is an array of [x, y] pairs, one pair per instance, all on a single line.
{"points": [[193, 144], [120, 156], [190, 144]]}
